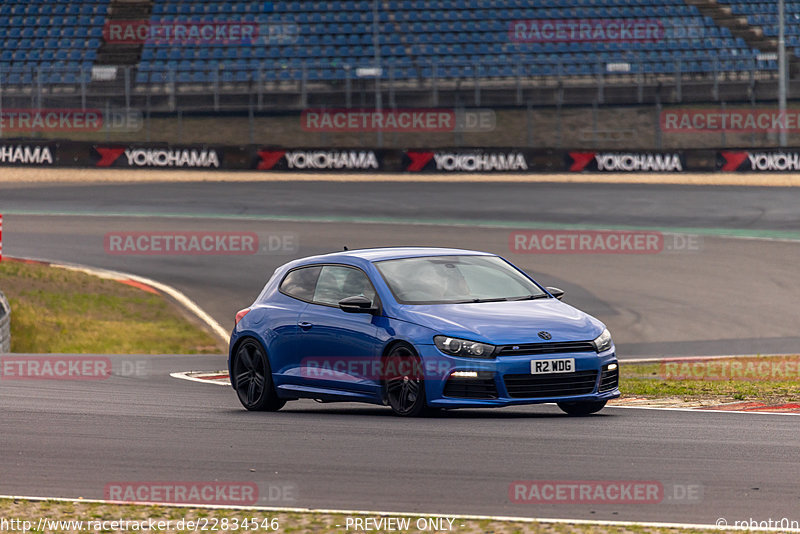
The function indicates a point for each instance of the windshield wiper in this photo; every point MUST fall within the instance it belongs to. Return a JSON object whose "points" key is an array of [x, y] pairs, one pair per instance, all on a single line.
{"points": [[502, 299], [531, 297]]}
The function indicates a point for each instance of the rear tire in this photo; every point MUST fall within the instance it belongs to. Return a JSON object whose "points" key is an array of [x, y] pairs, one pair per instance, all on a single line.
{"points": [[404, 382], [253, 378], [582, 408]]}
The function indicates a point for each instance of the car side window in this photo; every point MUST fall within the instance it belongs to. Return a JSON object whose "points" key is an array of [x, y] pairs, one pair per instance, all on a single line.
{"points": [[300, 283], [336, 282]]}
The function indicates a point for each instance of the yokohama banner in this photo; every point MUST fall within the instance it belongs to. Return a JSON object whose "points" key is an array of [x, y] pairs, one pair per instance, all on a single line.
{"points": [[467, 160], [625, 162], [139, 156], [28, 154], [321, 160], [759, 160]]}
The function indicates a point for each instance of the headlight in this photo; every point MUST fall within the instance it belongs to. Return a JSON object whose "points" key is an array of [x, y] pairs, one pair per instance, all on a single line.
{"points": [[603, 342], [462, 347]]}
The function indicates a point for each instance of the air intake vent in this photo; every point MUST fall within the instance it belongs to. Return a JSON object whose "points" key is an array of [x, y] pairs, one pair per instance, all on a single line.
{"points": [[531, 349]]}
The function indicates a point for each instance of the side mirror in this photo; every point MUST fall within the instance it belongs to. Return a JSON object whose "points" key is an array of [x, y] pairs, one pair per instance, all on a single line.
{"points": [[357, 304], [557, 293]]}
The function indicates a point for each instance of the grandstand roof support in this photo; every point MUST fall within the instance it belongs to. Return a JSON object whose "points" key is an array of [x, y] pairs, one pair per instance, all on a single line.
{"points": [[781, 69], [376, 42]]}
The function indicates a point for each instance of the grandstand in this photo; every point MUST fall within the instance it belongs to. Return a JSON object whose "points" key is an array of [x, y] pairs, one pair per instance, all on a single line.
{"points": [[412, 39], [284, 56], [49, 43], [418, 39]]}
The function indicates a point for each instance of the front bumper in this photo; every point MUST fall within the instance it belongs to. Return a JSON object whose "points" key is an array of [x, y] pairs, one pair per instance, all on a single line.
{"points": [[507, 380]]}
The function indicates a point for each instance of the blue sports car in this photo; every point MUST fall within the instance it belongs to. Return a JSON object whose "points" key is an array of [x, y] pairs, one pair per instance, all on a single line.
{"points": [[418, 329]]}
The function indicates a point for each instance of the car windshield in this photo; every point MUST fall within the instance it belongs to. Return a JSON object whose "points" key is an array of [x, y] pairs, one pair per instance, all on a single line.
{"points": [[456, 279]]}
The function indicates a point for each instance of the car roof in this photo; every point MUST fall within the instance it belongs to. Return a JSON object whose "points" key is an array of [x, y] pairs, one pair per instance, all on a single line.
{"points": [[392, 253]]}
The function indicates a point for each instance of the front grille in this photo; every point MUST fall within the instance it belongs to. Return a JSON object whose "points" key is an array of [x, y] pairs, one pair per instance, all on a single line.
{"points": [[609, 380], [471, 388], [532, 349], [551, 385]]}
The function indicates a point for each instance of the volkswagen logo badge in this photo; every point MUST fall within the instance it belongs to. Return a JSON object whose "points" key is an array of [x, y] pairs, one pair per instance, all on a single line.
{"points": [[545, 335]]}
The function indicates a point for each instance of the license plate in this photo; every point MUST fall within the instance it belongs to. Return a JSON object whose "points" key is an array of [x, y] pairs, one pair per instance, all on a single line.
{"points": [[561, 365]]}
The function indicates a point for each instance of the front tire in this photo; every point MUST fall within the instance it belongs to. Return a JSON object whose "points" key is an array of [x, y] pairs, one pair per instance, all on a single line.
{"points": [[582, 408], [405, 386], [253, 378]]}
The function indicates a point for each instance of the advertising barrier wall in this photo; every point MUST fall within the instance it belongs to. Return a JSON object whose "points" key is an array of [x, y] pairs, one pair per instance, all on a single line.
{"points": [[626, 161], [24, 153], [466, 161], [759, 160], [323, 160], [142, 156]]}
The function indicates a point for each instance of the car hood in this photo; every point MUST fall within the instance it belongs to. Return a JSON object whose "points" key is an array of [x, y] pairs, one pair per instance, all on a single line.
{"points": [[502, 323]]}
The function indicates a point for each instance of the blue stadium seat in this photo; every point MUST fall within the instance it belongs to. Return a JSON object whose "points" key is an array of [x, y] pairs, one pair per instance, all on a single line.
{"points": [[464, 37]]}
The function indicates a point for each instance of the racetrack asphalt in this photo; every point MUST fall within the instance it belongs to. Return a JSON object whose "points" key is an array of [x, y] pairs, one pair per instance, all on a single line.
{"points": [[716, 292], [72, 438], [731, 295]]}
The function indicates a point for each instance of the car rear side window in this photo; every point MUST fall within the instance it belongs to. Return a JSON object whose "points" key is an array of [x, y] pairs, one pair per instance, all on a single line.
{"points": [[300, 283], [337, 282]]}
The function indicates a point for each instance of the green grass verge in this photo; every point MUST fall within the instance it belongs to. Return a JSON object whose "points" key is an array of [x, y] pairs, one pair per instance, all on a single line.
{"points": [[213, 520], [61, 311], [764, 379]]}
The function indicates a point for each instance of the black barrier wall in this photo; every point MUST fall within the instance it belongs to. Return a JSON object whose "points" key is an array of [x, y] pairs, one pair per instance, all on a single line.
{"points": [[447, 160]]}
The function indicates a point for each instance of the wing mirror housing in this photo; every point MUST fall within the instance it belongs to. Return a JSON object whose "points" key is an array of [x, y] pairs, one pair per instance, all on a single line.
{"points": [[357, 304], [556, 292]]}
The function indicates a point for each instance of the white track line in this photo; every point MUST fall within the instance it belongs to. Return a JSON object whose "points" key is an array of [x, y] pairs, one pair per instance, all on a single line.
{"points": [[685, 358], [696, 410], [184, 375], [468, 517]]}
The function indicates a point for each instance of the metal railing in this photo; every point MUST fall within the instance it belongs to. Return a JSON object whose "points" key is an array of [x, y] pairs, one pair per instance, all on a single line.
{"points": [[536, 103], [5, 325], [305, 77]]}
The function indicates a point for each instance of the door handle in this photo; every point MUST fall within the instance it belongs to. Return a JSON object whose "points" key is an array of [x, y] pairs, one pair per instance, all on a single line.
{"points": [[304, 325]]}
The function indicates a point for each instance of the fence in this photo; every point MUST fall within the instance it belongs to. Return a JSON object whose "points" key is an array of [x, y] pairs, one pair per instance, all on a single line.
{"points": [[221, 80], [5, 325], [533, 103]]}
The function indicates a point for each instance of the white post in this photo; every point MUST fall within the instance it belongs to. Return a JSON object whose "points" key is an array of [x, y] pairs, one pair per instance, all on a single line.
{"points": [[781, 71], [376, 45]]}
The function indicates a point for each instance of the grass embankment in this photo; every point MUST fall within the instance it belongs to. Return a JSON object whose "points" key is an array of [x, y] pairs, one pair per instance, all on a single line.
{"points": [[61, 311], [288, 522], [769, 379]]}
